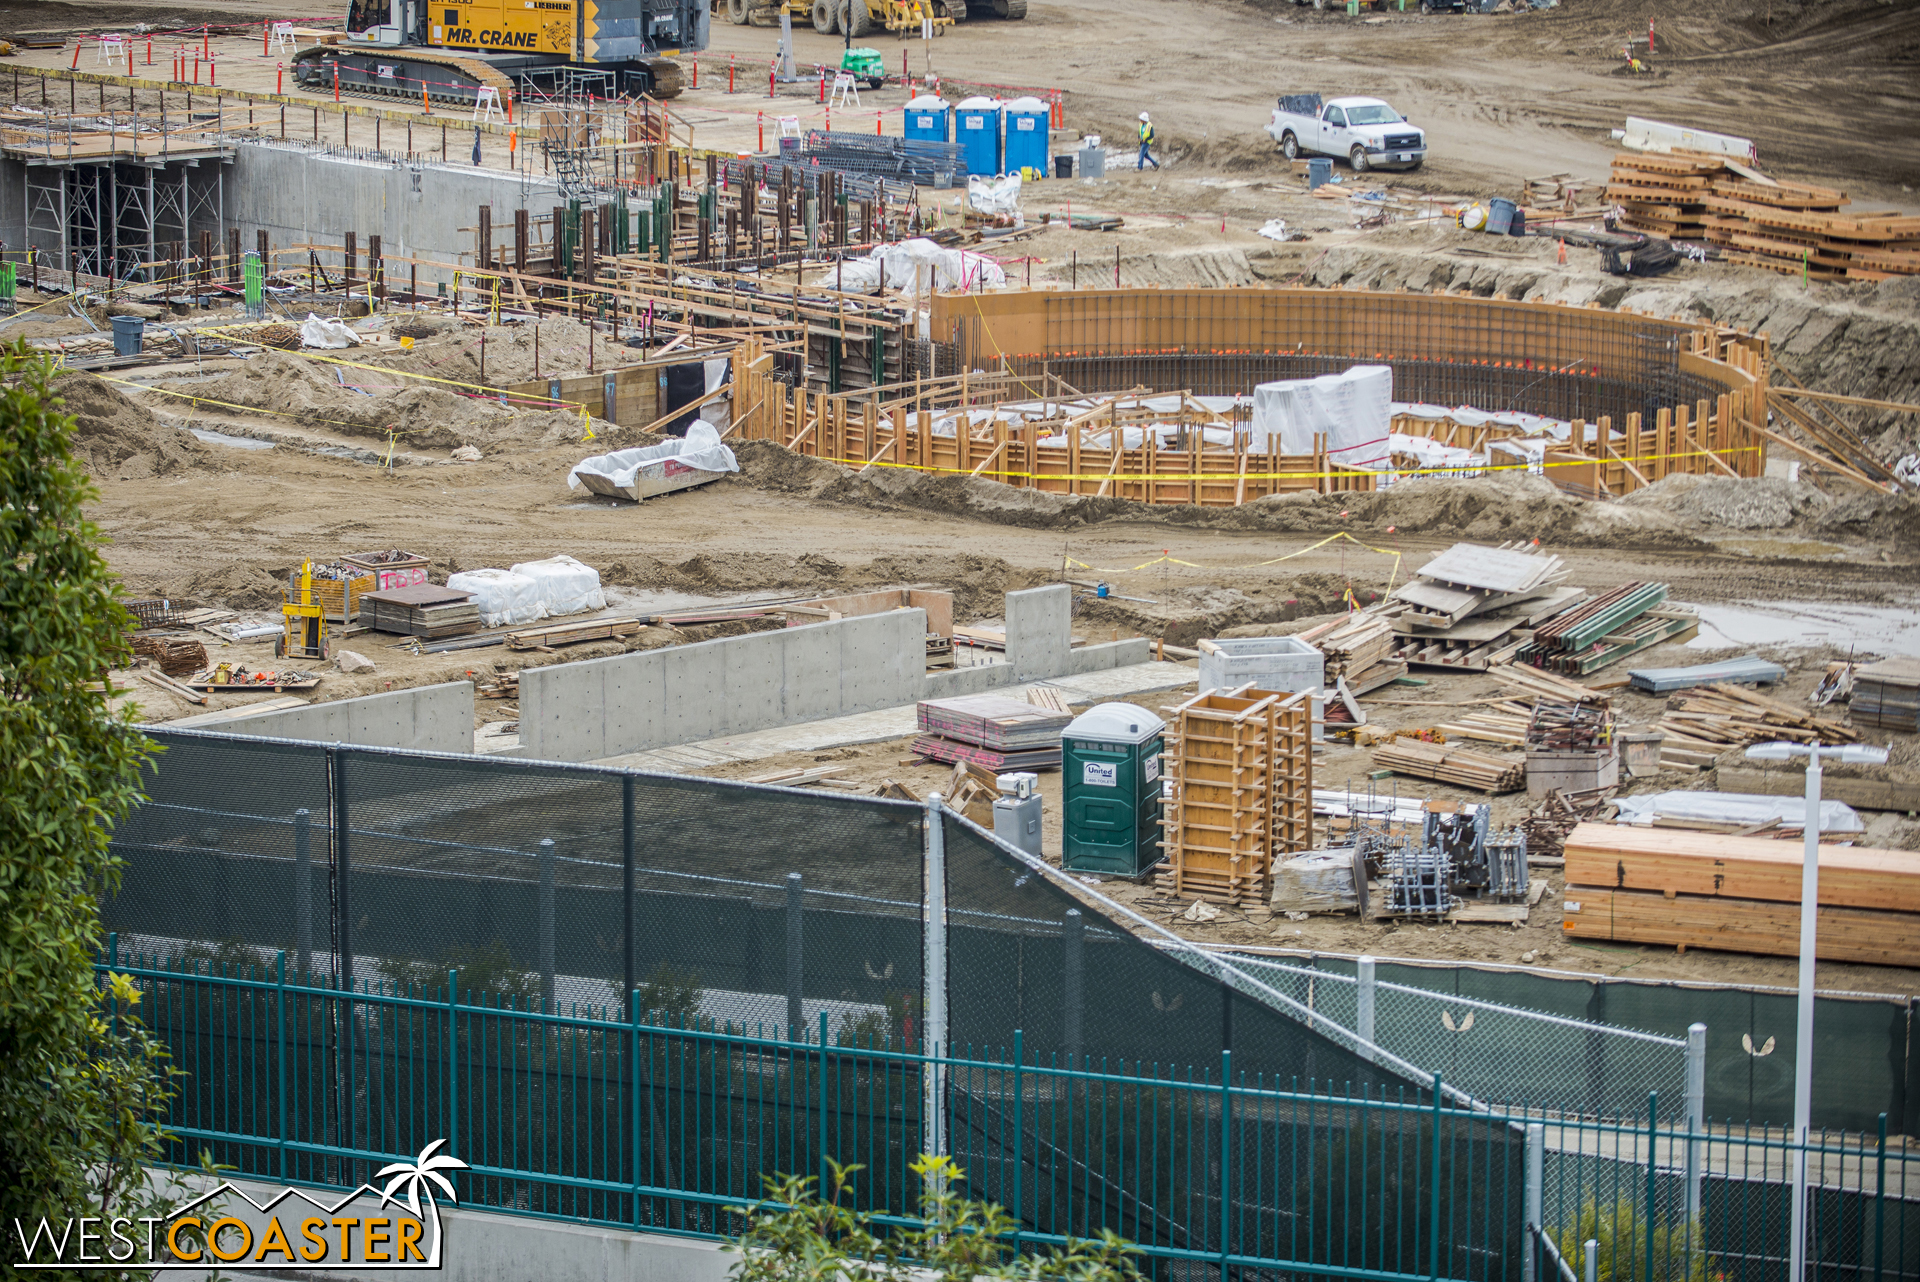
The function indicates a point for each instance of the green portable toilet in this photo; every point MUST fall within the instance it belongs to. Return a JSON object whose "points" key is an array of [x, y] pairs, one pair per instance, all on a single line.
{"points": [[1110, 756]]}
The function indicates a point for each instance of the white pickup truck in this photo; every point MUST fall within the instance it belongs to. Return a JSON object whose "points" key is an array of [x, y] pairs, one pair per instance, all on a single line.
{"points": [[1369, 133]]}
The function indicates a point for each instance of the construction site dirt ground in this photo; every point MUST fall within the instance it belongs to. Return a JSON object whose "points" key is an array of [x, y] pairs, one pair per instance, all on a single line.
{"points": [[1817, 562]]}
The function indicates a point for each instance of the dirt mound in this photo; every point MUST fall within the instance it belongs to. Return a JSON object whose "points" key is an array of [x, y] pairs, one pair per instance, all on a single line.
{"points": [[1720, 502], [119, 440], [359, 403], [1504, 505]]}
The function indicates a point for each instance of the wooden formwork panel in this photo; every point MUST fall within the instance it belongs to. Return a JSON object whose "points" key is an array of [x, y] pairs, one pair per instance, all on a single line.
{"points": [[1217, 827]]}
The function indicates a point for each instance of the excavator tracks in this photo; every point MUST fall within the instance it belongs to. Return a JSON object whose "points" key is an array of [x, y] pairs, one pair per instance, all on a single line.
{"points": [[448, 78]]}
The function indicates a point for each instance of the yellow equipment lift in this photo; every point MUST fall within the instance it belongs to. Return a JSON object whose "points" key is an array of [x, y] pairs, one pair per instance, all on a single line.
{"points": [[306, 619]]}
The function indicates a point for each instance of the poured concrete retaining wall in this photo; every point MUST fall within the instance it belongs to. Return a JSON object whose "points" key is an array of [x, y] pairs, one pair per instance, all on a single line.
{"points": [[429, 718], [658, 698], [995, 676]]}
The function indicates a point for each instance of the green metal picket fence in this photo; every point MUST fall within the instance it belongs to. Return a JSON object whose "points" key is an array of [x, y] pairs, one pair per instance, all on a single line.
{"points": [[635, 1118]]}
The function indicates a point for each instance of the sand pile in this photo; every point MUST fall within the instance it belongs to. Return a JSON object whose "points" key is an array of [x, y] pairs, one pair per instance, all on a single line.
{"points": [[119, 440]]}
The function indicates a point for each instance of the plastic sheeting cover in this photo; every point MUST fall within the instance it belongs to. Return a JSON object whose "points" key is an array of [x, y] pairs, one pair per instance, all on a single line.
{"points": [[699, 448], [908, 264], [1737, 808], [505, 599], [1352, 408], [1749, 669], [566, 586], [318, 331]]}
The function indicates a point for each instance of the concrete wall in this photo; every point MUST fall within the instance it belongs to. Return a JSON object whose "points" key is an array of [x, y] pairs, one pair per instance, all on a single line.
{"points": [[995, 676], [1039, 631], [300, 196], [483, 1246], [658, 698], [430, 718]]}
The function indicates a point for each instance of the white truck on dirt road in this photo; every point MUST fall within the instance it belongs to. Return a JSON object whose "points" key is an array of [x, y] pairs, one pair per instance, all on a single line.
{"points": [[1369, 133]]}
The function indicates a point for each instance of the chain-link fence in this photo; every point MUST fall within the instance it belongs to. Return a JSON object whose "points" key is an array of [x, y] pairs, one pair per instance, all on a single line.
{"points": [[1507, 1058]]}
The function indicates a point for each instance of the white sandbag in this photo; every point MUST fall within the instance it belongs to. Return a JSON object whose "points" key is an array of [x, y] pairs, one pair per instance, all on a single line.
{"points": [[1351, 409], [565, 585], [505, 599], [910, 266], [994, 195], [317, 331]]}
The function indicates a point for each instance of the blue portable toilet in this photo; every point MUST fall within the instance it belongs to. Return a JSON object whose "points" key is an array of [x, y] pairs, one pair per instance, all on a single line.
{"points": [[977, 129], [929, 119], [1027, 123]]}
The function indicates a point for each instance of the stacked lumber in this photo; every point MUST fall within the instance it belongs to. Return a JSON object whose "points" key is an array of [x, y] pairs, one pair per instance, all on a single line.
{"points": [[1711, 719], [1458, 766], [1241, 766], [994, 731], [1703, 890], [552, 636], [175, 656], [1795, 228], [428, 610], [1887, 695], [1353, 645], [1490, 727], [1532, 683]]}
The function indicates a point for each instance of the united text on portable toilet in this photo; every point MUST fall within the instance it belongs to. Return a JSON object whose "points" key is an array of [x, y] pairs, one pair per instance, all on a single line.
{"points": [[1111, 791], [1027, 121], [976, 127], [929, 118]]}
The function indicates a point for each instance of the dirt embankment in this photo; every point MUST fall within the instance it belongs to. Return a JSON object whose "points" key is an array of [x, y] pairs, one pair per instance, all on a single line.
{"points": [[119, 440], [1494, 508]]}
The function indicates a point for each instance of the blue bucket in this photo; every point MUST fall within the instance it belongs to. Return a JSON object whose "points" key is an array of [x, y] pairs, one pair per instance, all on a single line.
{"points": [[1319, 172], [1500, 216]]}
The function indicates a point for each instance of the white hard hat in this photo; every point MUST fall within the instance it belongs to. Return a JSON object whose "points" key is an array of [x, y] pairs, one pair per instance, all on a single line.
{"points": [[1143, 115]]}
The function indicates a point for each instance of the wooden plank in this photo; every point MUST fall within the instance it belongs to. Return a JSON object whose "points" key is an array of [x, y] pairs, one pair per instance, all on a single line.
{"points": [[1738, 925], [1861, 794], [1673, 861]]}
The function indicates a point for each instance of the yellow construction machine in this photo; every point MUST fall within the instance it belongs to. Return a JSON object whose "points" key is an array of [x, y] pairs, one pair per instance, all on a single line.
{"points": [[306, 619]]}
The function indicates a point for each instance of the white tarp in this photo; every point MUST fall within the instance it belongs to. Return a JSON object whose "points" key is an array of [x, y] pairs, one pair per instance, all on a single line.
{"points": [[911, 264], [1351, 409], [994, 195], [565, 585], [700, 449], [505, 599], [318, 331], [1745, 809]]}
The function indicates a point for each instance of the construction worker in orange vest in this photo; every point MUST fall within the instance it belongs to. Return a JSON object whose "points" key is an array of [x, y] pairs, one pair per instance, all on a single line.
{"points": [[1147, 139]]}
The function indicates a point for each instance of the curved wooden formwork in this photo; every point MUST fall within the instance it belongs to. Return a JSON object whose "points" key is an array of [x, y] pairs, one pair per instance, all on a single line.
{"points": [[1648, 397]]}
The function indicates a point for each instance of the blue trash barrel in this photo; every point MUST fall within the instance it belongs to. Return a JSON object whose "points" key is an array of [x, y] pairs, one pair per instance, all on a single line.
{"points": [[1500, 213], [976, 127], [929, 119], [1027, 122], [129, 332], [1319, 172]]}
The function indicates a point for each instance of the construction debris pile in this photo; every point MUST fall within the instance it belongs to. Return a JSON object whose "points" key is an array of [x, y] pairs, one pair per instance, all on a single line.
{"points": [[1710, 719], [1795, 228], [1464, 606]]}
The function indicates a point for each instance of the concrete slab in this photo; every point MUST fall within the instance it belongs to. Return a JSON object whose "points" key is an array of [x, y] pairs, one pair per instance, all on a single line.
{"points": [[887, 723]]}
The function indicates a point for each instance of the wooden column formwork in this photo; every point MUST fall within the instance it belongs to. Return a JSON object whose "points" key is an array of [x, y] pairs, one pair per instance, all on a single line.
{"points": [[1242, 770]]}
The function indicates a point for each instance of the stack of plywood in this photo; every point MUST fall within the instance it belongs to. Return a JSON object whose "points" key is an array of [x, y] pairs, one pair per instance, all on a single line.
{"points": [[1241, 766], [1887, 695], [1468, 606], [997, 732], [1702, 890]]}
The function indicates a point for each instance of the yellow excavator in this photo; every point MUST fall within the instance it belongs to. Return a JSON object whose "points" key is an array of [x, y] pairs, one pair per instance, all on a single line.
{"points": [[451, 50]]}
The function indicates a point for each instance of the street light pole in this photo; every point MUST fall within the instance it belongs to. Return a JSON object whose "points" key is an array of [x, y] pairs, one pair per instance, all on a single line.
{"points": [[1809, 932]]}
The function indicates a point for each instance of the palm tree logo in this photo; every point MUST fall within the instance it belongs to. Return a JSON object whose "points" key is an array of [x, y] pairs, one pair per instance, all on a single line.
{"points": [[421, 1173]]}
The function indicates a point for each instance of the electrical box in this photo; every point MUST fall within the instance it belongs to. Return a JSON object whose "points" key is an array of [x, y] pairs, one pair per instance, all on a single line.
{"points": [[1111, 793]]}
